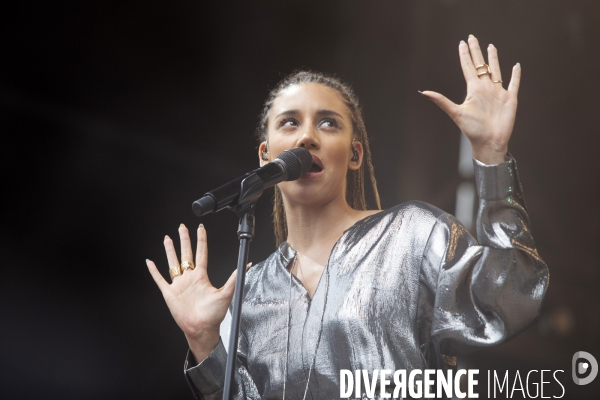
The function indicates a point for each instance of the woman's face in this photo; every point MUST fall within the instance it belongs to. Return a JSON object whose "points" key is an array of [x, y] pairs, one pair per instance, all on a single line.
{"points": [[315, 117]]}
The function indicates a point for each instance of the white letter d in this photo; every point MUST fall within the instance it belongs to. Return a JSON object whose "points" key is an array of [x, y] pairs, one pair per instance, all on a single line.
{"points": [[345, 374]]}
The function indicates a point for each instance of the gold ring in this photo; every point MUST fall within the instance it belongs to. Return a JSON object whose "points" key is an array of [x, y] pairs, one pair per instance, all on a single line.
{"points": [[488, 71], [187, 265], [173, 272], [497, 81]]}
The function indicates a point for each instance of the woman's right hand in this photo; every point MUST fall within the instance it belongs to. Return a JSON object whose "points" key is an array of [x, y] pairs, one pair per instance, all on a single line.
{"points": [[196, 305]]}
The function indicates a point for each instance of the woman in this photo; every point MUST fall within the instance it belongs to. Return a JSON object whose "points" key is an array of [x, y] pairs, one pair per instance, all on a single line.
{"points": [[350, 288]]}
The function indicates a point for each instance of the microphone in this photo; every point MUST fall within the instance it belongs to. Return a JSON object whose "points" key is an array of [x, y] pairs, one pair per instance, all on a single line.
{"points": [[288, 166]]}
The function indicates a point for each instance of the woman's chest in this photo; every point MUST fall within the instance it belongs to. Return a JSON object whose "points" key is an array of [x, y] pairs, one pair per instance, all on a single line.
{"points": [[360, 312]]}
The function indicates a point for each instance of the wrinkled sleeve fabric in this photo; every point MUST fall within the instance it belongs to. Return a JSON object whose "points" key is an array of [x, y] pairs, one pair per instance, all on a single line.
{"points": [[206, 380], [489, 289]]}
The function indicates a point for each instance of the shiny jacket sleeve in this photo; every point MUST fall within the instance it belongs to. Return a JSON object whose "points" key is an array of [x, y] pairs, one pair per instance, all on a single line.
{"points": [[486, 290], [206, 380]]}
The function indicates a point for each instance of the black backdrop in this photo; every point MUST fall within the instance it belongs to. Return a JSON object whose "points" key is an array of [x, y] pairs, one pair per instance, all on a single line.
{"points": [[117, 115]]}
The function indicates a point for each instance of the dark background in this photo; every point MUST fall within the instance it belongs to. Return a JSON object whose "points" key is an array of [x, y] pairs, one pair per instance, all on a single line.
{"points": [[115, 116]]}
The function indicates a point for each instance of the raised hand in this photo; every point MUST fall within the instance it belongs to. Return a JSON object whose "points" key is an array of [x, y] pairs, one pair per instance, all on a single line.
{"points": [[196, 305], [487, 115]]}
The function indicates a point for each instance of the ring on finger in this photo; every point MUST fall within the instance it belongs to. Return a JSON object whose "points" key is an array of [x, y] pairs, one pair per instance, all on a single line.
{"points": [[187, 265], [174, 272], [487, 71], [497, 81]]}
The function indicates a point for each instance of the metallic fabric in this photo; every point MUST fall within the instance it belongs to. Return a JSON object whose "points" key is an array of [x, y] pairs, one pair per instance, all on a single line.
{"points": [[407, 288]]}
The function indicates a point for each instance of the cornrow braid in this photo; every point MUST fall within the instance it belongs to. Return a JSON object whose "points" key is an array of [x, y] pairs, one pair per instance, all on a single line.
{"points": [[355, 180]]}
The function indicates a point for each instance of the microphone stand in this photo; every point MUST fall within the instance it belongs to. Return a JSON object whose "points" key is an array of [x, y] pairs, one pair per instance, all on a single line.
{"points": [[251, 189]]}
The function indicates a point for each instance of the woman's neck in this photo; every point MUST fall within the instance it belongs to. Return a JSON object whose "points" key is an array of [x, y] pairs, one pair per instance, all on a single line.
{"points": [[313, 230]]}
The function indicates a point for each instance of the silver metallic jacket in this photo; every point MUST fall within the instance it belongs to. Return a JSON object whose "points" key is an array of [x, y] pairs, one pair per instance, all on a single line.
{"points": [[407, 288]]}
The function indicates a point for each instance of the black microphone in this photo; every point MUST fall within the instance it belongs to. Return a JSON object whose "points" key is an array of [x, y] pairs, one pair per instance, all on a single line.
{"points": [[288, 166]]}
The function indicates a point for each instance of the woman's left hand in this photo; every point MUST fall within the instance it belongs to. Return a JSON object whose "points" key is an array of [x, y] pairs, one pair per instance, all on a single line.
{"points": [[487, 115]]}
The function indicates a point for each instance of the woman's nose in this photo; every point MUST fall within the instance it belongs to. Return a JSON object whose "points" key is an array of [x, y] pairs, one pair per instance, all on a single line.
{"points": [[309, 138]]}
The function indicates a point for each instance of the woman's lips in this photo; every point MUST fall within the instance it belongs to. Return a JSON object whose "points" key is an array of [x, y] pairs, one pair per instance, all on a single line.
{"points": [[317, 161], [314, 174]]}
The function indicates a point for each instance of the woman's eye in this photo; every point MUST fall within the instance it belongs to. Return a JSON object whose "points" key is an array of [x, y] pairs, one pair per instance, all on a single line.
{"points": [[288, 122], [329, 123]]}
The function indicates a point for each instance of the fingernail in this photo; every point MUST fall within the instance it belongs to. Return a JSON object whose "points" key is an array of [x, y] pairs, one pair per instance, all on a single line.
{"points": [[519, 64], [471, 36], [201, 226], [147, 261], [462, 42], [181, 225], [490, 45], [167, 237], [422, 94]]}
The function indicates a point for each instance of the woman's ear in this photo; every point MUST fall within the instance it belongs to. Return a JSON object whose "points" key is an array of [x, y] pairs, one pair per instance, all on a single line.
{"points": [[263, 153], [356, 156]]}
